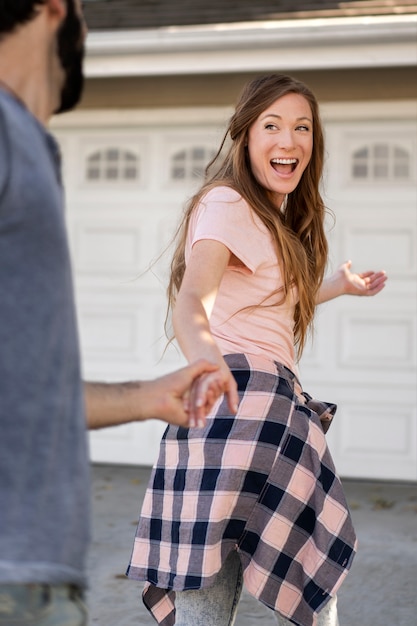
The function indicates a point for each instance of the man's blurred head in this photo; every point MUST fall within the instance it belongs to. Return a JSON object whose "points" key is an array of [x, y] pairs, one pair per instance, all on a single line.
{"points": [[70, 42], [71, 55]]}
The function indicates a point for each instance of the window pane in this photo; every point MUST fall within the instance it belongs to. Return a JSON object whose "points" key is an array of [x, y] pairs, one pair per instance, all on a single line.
{"points": [[400, 153], [381, 151], [93, 173], [360, 170], [198, 154], [130, 173], [361, 154], [381, 170], [112, 154], [111, 173], [401, 170], [178, 173], [198, 172]]}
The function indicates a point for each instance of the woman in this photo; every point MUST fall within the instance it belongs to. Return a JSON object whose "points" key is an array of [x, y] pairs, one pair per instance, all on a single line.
{"points": [[252, 494]]}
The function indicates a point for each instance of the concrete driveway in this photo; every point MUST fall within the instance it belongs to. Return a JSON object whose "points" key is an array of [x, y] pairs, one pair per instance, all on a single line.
{"points": [[381, 589]]}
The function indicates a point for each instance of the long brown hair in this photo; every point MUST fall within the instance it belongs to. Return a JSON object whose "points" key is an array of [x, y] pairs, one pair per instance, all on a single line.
{"points": [[298, 229]]}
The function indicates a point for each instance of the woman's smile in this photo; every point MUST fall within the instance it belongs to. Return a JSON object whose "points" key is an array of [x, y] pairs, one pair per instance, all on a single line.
{"points": [[284, 167]]}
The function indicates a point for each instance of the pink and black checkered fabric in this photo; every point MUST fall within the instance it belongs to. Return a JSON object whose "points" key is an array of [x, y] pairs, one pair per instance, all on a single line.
{"points": [[262, 483]]}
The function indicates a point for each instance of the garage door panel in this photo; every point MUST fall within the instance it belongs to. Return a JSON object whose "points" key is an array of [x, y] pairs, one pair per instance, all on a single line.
{"points": [[378, 441], [113, 159], [131, 245], [364, 154], [373, 434], [111, 334], [370, 340], [392, 247], [116, 329], [127, 444], [377, 342], [108, 247]]}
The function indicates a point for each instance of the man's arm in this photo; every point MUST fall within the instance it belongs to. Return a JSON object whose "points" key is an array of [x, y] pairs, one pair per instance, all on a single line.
{"points": [[344, 282], [165, 398]]}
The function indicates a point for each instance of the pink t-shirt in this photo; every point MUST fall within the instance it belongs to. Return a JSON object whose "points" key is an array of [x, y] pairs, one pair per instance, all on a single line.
{"points": [[224, 216]]}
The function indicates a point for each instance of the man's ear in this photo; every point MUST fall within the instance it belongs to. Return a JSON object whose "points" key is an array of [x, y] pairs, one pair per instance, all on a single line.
{"points": [[56, 9]]}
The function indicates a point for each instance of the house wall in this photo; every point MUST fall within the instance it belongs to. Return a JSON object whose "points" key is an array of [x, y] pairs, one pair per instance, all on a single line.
{"points": [[218, 90]]}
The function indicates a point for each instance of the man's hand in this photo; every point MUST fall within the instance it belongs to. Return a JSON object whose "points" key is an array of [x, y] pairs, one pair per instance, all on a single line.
{"points": [[178, 398], [166, 398]]}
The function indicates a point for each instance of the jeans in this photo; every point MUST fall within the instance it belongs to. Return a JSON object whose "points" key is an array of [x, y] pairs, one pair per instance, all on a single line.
{"points": [[41, 605], [217, 605]]}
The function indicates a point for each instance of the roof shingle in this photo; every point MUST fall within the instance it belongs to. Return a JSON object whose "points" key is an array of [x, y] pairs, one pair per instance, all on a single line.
{"points": [[152, 14]]}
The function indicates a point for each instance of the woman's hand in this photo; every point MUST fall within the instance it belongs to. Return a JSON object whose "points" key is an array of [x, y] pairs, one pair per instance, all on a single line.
{"points": [[207, 389], [363, 284], [345, 282]]}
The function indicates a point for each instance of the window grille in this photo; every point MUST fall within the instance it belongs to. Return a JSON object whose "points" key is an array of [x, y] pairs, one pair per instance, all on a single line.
{"points": [[381, 161], [112, 165], [190, 164]]}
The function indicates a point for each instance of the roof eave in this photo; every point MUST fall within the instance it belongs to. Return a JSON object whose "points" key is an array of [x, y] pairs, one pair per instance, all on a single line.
{"points": [[382, 41]]}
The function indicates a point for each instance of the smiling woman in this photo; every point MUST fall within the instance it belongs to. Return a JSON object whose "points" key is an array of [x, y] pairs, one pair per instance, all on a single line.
{"points": [[252, 493]]}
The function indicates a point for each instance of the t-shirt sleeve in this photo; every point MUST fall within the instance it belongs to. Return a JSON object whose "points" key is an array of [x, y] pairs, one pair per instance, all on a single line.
{"points": [[4, 156], [224, 216]]}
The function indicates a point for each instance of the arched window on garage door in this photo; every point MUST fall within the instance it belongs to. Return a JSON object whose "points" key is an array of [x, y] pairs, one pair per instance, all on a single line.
{"points": [[381, 161], [112, 164], [189, 164]]}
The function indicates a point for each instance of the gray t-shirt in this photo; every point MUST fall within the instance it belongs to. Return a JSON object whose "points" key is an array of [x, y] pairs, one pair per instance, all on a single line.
{"points": [[44, 469]]}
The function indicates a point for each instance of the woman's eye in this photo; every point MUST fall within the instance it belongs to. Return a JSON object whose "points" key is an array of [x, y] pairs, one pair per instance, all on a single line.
{"points": [[303, 127], [270, 127]]}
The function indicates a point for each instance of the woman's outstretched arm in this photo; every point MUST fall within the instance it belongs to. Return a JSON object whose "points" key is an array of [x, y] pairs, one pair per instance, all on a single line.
{"points": [[345, 282]]}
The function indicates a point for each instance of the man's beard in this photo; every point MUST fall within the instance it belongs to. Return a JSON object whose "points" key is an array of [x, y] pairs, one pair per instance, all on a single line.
{"points": [[71, 56]]}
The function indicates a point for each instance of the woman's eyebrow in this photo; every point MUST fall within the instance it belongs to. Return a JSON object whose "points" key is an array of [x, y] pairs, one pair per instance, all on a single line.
{"points": [[278, 117]]}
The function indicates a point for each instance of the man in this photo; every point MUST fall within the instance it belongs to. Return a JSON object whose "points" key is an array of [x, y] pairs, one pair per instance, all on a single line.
{"points": [[44, 478]]}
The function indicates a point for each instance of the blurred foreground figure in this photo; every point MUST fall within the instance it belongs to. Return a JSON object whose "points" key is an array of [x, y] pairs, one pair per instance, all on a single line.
{"points": [[44, 476]]}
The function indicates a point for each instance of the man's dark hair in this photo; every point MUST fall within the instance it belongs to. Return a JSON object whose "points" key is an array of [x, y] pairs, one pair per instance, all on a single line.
{"points": [[13, 13]]}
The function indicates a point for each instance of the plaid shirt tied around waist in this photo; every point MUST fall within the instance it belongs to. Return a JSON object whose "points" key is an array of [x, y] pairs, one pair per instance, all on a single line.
{"points": [[261, 482]]}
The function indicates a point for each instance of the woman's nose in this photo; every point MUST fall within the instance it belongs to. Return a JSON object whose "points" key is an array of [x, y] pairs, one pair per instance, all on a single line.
{"points": [[286, 139]]}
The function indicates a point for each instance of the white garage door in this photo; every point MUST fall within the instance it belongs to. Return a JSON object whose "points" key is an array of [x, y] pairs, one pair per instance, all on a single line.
{"points": [[364, 354], [127, 179]]}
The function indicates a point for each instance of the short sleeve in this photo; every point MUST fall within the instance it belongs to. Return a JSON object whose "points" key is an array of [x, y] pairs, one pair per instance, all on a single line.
{"points": [[4, 155], [224, 216]]}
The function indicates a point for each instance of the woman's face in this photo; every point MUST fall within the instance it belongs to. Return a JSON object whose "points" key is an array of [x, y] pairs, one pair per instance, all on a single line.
{"points": [[280, 144]]}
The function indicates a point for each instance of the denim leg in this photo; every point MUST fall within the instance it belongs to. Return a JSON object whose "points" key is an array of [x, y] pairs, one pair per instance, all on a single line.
{"points": [[216, 605], [326, 617], [41, 605]]}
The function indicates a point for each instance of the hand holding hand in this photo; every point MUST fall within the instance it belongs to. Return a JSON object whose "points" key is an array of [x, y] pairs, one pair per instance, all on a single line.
{"points": [[179, 398], [207, 389]]}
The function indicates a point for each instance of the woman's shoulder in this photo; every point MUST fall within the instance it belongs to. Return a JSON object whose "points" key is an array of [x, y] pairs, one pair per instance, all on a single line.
{"points": [[225, 201], [222, 193]]}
